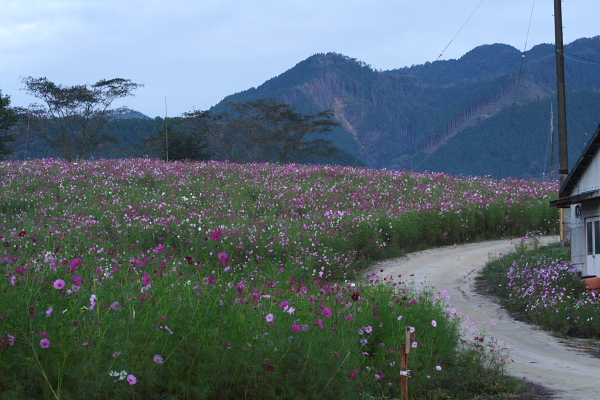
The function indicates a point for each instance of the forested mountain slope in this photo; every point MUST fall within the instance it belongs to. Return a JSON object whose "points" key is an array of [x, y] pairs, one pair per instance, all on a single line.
{"points": [[485, 113]]}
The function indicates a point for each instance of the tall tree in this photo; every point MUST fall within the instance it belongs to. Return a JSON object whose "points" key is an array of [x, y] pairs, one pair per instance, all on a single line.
{"points": [[71, 120], [183, 143], [264, 131], [8, 119]]}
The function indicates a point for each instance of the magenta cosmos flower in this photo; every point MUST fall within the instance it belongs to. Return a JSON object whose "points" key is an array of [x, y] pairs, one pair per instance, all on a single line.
{"points": [[296, 328], [327, 312], [159, 248], [223, 258], [216, 235], [59, 284]]}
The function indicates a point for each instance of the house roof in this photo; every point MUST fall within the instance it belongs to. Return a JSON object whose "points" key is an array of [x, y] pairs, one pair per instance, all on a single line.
{"points": [[565, 196]]}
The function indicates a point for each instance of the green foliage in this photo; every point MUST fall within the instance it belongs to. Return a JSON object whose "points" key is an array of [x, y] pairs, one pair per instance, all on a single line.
{"points": [[175, 142], [8, 119], [73, 116], [264, 131]]}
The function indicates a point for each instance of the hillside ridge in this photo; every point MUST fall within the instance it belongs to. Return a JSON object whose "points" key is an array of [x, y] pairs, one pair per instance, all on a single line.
{"points": [[412, 112]]}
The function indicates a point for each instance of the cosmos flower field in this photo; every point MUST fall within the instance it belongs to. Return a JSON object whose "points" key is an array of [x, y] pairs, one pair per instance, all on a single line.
{"points": [[144, 279], [540, 284]]}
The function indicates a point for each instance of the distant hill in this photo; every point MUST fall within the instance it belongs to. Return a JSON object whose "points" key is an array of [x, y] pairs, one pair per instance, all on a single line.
{"points": [[487, 113], [132, 114]]}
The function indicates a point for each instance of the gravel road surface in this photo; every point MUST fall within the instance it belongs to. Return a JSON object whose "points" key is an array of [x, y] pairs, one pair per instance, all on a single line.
{"points": [[538, 357]]}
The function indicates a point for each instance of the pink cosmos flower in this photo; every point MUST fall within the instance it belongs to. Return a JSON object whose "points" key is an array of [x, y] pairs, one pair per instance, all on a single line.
{"points": [[327, 312], [45, 343], [438, 368], [270, 318], [147, 279], [158, 359], [74, 264], [159, 248], [320, 323], [349, 317], [131, 379], [11, 339], [49, 312], [433, 323], [59, 284], [223, 258], [368, 329], [216, 235], [414, 345], [296, 328]]}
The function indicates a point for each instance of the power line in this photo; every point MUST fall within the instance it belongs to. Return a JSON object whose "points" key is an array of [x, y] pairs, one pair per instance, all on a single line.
{"points": [[582, 58], [420, 80], [513, 106]]}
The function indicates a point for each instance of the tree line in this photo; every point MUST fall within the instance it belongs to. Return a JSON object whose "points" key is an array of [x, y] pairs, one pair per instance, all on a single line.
{"points": [[76, 122]]}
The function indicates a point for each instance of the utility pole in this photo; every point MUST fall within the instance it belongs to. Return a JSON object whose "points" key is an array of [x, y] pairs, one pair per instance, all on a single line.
{"points": [[166, 130], [563, 169], [552, 139], [563, 154]]}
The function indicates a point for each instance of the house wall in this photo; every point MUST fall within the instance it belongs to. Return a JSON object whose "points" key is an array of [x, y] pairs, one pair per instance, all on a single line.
{"points": [[589, 209], [578, 249], [590, 179]]}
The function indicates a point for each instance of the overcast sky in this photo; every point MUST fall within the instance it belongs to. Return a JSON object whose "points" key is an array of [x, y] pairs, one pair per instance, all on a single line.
{"points": [[196, 52]]}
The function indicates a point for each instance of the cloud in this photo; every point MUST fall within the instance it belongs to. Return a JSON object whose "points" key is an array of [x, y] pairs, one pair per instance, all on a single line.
{"points": [[197, 52]]}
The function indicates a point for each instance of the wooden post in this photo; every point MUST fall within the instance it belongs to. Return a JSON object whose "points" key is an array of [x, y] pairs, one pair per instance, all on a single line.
{"points": [[404, 372]]}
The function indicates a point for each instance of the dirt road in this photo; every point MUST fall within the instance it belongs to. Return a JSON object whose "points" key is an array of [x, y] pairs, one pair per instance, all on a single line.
{"points": [[540, 358]]}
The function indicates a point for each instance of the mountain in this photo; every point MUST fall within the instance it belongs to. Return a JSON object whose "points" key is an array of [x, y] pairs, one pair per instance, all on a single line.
{"points": [[486, 113]]}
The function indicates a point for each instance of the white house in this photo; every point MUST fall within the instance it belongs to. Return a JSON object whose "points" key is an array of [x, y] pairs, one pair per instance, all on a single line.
{"points": [[580, 196]]}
